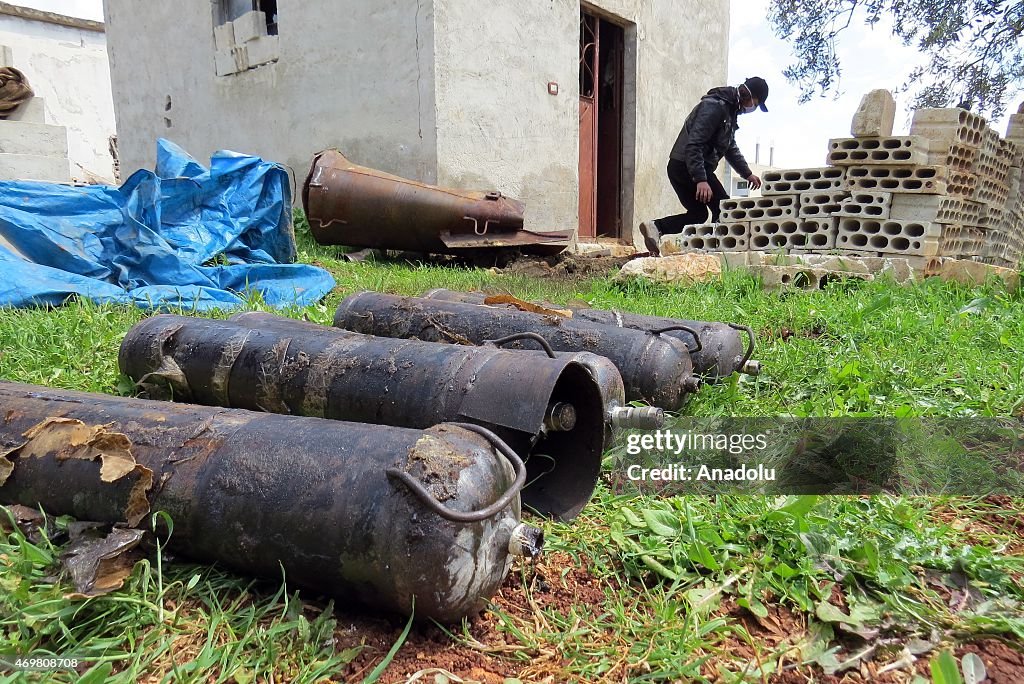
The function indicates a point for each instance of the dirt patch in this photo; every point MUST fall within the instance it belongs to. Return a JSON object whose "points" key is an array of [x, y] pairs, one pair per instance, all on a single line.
{"points": [[1003, 664], [566, 266]]}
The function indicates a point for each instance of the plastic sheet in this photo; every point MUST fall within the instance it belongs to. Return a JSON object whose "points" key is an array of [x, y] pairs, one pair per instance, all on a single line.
{"points": [[182, 237]]}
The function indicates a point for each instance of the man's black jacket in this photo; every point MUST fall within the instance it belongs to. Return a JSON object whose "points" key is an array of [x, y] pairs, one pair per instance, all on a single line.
{"points": [[710, 134]]}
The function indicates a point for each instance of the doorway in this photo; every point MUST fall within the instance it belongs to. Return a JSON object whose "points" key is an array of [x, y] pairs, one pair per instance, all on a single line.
{"points": [[602, 58]]}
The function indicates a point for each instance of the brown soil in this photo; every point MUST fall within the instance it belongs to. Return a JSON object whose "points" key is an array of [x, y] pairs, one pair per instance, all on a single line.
{"points": [[566, 266]]}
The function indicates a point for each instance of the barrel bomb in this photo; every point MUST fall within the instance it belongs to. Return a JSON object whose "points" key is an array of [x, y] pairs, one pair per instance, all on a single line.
{"points": [[655, 368], [380, 515], [549, 410], [716, 349]]}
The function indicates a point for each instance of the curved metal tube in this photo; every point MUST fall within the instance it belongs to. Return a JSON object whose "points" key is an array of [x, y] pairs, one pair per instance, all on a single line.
{"points": [[523, 336], [469, 516], [684, 328]]}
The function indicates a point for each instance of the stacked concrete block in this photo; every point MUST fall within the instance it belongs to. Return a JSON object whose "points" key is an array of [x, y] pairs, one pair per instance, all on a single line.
{"points": [[937, 209], [760, 208], [243, 44], [889, 150], [793, 234], [902, 237], [875, 115], [712, 237], [789, 181], [874, 205], [929, 180], [949, 125], [817, 205]]}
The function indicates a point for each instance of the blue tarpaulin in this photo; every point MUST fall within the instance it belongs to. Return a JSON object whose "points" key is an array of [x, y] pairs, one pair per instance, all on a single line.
{"points": [[183, 236]]}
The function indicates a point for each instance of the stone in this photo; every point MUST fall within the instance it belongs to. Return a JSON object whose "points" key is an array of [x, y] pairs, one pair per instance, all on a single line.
{"points": [[263, 50], [678, 269], [224, 36], [875, 115], [224, 62], [6, 56], [250, 26]]}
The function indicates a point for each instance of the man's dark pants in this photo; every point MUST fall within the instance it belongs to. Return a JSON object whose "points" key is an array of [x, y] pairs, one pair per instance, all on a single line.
{"points": [[686, 190]]}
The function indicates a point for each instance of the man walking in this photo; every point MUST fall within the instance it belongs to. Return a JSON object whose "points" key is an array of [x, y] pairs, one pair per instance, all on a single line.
{"points": [[708, 135]]}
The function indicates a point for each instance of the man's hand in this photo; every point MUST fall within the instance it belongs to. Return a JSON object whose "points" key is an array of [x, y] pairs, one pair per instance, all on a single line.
{"points": [[704, 192], [754, 180]]}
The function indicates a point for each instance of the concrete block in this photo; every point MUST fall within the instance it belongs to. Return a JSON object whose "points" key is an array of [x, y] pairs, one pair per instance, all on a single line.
{"points": [[250, 26], [734, 259], [6, 56], [786, 234], [875, 115], [730, 236], [224, 36], [802, 277], [962, 241], [889, 150], [1015, 128], [263, 50], [957, 156], [936, 208], [820, 204], [34, 167], [32, 111], [789, 181], [905, 237], [949, 125], [760, 208], [975, 273], [866, 205], [922, 179], [23, 137], [224, 61]]}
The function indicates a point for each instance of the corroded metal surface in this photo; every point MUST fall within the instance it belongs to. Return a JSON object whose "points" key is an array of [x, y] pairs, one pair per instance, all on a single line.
{"points": [[348, 204], [263, 362], [655, 369], [258, 492], [719, 349]]}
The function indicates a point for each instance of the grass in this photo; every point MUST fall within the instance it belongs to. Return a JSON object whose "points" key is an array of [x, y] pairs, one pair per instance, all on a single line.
{"points": [[654, 589]]}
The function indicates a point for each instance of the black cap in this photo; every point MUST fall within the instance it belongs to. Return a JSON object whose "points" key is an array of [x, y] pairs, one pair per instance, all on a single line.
{"points": [[759, 89]]}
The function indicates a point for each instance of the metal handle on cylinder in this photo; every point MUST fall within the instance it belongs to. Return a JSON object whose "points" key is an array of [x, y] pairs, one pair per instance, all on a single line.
{"points": [[746, 365], [469, 516], [684, 328], [523, 336], [641, 418]]}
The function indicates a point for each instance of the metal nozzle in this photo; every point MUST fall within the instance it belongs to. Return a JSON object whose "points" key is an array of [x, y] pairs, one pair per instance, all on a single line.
{"points": [[642, 418], [561, 417], [691, 384], [526, 540], [751, 368]]}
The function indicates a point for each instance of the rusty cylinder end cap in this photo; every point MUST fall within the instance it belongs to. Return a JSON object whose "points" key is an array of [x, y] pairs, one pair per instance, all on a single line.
{"points": [[526, 540], [691, 383]]}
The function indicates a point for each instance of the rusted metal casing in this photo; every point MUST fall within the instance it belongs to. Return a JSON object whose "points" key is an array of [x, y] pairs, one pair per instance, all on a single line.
{"points": [[263, 362], [366, 513], [717, 350], [348, 204], [655, 369]]}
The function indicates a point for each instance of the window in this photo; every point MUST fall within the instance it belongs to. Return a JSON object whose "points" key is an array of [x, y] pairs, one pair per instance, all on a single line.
{"points": [[229, 10], [742, 185]]}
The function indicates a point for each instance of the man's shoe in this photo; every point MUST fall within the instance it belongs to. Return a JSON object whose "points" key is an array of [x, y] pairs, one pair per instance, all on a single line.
{"points": [[651, 237]]}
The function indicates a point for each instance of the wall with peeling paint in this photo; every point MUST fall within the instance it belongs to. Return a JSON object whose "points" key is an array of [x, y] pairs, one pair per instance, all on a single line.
{"points": [[446, 91], [67, 67], [353, 75]]}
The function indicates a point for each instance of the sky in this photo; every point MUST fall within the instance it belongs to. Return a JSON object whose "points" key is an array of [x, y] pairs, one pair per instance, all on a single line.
{"points": [[86, 9], [870, 59]]}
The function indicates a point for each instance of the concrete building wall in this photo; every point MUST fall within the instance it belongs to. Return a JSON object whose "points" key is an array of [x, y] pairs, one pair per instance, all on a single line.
{"points": [[67, 68], [499, 127], [350, 74]]}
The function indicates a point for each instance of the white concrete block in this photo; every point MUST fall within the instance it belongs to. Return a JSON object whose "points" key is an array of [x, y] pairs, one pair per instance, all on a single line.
{"points": [[263, 50], [6, 56], [33, 111], [875, 115], [250, 26], [34, 167], [241, 55], [224, 36], [24, 137], [224, 61]]}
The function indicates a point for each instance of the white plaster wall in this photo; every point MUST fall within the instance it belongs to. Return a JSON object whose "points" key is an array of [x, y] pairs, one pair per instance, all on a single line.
{"points": [[352, 74], [498, 127], [68, 68]]}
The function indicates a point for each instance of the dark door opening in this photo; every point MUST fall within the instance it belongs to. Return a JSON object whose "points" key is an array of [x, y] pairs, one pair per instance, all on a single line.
{"points": [[602, 46]]}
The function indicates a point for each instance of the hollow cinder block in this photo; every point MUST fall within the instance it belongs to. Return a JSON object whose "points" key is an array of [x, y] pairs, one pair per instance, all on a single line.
{"points": [[760, 208], [920, 179], [936, 208], [821, 204], [949, 125], [889, 150], [789, 234], [863, 204], [789, 181], [875, 115], [711, 237], [962, 241], [888, 236]]}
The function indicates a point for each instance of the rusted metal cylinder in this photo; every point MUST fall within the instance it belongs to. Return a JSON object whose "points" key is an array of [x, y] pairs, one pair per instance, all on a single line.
{"points": [[348, 204], [717, 350], [655, 369], [361, 512], [260, 361]]}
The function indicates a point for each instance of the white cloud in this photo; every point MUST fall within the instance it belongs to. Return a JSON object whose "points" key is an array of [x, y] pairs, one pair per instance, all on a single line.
{"points": [[85, 9]]}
